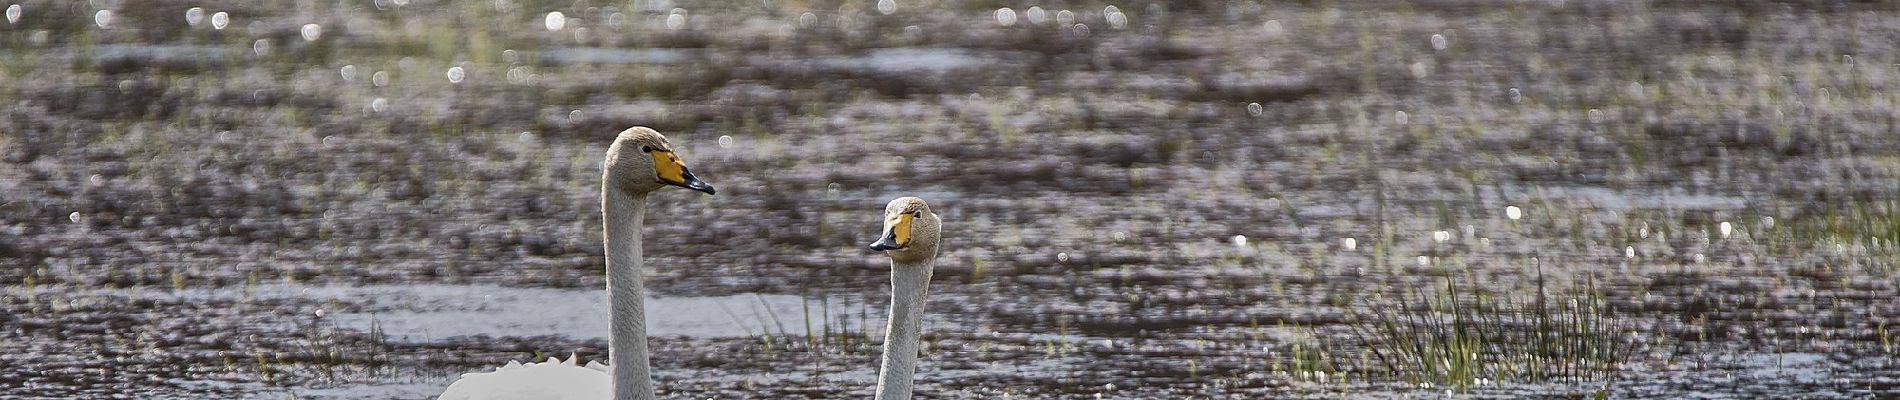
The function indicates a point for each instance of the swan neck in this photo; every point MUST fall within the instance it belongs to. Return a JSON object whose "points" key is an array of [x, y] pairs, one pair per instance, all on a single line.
{"points": [[910, 283], [627, 336]]}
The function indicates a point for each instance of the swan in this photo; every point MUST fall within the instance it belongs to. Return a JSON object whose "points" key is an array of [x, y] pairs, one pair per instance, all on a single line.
{"points": [[910, 239], [638, 163]]}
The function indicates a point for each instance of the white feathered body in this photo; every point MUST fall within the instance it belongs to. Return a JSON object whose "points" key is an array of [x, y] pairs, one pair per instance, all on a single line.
{"points": [[551, 380]]}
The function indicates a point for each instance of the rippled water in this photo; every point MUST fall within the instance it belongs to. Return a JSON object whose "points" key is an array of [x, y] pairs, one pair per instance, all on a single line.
{"points": [[1144, 200]]}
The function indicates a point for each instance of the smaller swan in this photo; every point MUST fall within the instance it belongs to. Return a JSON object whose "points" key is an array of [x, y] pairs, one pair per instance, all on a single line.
{"points": [[910, 239]]}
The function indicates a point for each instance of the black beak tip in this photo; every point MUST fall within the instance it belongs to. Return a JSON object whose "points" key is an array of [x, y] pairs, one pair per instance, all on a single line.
{"points": [[693, 182], [884, 245]]}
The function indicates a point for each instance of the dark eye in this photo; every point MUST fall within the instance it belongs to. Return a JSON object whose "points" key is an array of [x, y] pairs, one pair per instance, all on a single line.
{"points": [[646, 149], [918, 213]]}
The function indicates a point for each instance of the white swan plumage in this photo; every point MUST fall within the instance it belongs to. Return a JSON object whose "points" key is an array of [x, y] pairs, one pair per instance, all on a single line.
{"points": [[639, 162], [553, 379]]}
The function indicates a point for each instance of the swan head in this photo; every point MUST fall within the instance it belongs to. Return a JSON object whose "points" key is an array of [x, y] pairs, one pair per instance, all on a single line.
{"points": [[910, 230], [641, 161]]}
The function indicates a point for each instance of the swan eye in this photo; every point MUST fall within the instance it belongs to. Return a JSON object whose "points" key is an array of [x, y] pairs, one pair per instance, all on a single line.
{"points": [[646, 149]]}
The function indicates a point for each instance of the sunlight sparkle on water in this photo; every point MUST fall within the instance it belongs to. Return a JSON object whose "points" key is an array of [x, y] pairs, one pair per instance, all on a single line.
{"points": [[1400, 118], [1726, 229], [379, 105], [1255, 109], [348, 72], [380, 78], [1513, 212], [1036, 15], [616, 21], [1065, 18], [13, 13], [1116, 19], [518, 75], [311, 32], [1240, 241], [103, 19], [220, 20], [1349, 243], [261, 47], [555, 21], [676, 19], [1005, 16], [725, 141], [195, 16], [1272, 28], [1424, 261], [1441, 236], [1438, 42], [1629, 252], [455, 74], [886, 7]]}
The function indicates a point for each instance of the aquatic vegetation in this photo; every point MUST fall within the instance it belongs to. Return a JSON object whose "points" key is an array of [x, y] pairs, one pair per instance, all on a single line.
{"points": [[1459, 334]]}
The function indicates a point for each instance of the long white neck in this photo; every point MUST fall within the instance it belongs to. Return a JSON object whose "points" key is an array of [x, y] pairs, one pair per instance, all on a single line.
{"points": [[627, 338], [910, 283]]}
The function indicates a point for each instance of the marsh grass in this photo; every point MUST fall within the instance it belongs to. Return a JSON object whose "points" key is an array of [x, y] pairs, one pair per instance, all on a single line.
{"points": [[826, 332], [1457, 334], [1870, 223]]}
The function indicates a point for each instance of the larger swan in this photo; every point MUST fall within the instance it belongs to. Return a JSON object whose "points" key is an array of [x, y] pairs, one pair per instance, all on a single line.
{"points": [[639, 162], [910, 239]]}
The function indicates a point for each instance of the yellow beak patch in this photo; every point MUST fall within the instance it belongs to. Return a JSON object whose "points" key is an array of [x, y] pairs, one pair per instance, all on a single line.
{"points": [[899, 227], [669, 167]]}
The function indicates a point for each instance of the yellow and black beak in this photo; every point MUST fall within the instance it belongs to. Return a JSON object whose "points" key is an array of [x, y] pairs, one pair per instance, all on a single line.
{"points": [[672, 171], [896, 233]]}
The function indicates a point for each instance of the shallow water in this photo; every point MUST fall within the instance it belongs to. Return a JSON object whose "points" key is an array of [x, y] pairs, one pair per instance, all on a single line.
{"points": [[1168, 203], [431, 313]]}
